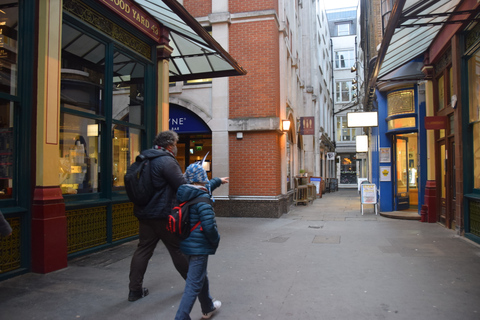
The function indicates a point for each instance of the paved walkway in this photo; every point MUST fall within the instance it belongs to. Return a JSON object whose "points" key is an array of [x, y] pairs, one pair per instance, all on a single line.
{"points": [[321, 261]]}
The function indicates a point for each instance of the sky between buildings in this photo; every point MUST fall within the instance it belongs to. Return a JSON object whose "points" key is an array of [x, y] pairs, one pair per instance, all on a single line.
{"points": [[335, 4]]}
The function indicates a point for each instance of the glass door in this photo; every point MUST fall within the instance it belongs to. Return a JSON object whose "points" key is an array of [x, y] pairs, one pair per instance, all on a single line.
{"points": [[406, 171], [401, 173]]}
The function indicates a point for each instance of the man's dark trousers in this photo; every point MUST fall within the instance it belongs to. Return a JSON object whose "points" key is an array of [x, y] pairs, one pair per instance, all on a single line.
{"points": [[150, 232]]}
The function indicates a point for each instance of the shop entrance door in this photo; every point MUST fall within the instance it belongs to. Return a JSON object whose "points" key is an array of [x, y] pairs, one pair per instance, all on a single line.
{"points": [[401, 173], [451, 185], [447, 183], [194, 147], [406, 172]]}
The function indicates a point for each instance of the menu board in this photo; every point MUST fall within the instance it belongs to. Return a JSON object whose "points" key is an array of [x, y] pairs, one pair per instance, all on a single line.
{"points": [[368, 193]]}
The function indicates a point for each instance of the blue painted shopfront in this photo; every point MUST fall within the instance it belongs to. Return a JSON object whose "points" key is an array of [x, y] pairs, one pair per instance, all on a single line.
{"points": [[400, 174]]}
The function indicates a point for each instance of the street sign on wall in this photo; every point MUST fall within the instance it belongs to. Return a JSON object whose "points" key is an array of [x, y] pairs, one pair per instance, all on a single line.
{"points": [[307, 126]]}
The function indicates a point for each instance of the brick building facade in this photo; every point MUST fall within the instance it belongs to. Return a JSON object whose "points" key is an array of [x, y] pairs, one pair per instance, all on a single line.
{"points": [[286, 80]]}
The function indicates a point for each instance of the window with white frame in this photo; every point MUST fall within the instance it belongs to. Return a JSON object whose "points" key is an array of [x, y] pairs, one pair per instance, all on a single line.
{"points": [[343, 91], [345, 133], [344, 59], [343, 29]]}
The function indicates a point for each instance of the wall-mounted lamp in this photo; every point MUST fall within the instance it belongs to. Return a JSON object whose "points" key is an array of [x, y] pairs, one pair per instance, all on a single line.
{"points": [[285, 125], [354, 80], [354, 87], [353, 69], [354, 96]]}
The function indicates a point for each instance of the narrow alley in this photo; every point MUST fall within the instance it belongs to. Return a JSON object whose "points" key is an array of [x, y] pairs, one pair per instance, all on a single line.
{"points": [[321, 261]]}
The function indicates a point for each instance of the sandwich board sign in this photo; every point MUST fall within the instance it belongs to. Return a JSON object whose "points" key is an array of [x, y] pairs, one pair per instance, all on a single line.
{"points": [[368, 195]]}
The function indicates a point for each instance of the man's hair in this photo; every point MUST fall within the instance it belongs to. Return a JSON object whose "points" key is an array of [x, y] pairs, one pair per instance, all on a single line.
{"points": [[166, 138]]}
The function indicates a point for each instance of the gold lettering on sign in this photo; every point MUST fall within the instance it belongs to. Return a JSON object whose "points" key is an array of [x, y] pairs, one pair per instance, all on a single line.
{"points": [[144, 21], [136, 16], [122, 5]]}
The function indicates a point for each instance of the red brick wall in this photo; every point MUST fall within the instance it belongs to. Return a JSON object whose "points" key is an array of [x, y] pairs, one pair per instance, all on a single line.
{"points": [[254, 161], [255, 46], [235, 6], [201, 8], [198, 8], [255, 164]]}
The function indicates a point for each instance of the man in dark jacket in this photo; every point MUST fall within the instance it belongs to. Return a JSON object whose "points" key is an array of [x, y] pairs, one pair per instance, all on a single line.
{"points": [[166, 177]]}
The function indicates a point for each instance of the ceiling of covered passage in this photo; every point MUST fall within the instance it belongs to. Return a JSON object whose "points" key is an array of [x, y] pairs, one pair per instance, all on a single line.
{"points": [[196, 54], [417, 27]]}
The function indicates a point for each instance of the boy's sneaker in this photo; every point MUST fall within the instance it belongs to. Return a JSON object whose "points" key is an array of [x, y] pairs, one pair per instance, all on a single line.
{"points": [[216, 305]]}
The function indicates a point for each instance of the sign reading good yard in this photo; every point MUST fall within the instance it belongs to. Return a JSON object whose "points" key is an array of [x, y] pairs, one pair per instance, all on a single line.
{"points": [[136, 16]]}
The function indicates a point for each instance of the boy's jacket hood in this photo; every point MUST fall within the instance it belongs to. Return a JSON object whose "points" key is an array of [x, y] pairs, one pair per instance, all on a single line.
{"points": [[188, 191]]}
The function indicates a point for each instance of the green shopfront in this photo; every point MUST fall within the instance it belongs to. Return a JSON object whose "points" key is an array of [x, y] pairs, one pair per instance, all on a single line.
{"points": [[83, 85], [471, 134]]}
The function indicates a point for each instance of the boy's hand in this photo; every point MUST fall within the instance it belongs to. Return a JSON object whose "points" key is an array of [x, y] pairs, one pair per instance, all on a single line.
{"points": [[224, 180]]}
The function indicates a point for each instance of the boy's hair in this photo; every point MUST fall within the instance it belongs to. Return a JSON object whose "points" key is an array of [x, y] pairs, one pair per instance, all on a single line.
{"points": [[166, 138]]}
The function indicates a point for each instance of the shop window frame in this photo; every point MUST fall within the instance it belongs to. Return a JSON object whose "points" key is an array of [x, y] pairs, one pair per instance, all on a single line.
{"points": [[471, 193], [22, 118], [19, 206], [407, 114], [106, 122]]}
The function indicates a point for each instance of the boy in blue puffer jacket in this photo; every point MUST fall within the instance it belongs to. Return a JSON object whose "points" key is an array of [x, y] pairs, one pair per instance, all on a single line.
{"points": [[202, 242]]}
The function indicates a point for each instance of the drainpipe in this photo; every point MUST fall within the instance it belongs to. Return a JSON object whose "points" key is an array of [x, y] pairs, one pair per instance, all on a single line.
{"points": [[333, 101]]}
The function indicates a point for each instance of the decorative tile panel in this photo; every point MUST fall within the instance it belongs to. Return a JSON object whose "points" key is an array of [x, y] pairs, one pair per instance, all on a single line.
{"points": [[10, 253], [474, 217], [87, 228], [124, 223]]}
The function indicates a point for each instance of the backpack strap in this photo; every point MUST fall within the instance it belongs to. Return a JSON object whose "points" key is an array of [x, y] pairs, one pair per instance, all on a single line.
{"points": [[142, 157], [195, 226], [197, 200]]}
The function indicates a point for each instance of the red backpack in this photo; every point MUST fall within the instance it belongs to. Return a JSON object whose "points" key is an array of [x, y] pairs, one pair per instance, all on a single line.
{"points": [[179, 219]]}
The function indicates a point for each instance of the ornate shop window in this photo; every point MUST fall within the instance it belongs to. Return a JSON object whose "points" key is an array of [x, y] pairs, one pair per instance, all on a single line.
{"points": [[8, 86], [401, 110], [474, 113], [444, 82], [127, 112], [400, 102], [6, 148], [8, 48], [91, 101], [83, 114]]}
